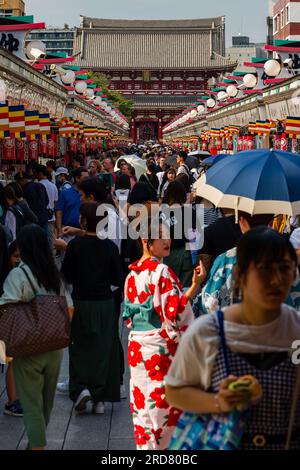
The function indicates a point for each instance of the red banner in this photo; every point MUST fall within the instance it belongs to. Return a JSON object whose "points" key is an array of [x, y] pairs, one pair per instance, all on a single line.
{"points": [[52, 146], [284, 142], [9, 149], [43, 147], [20, 150], [33, 150], [73, 145]]}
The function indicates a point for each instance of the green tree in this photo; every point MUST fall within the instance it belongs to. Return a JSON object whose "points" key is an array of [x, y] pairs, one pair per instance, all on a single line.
{"points": [[103, 81]]}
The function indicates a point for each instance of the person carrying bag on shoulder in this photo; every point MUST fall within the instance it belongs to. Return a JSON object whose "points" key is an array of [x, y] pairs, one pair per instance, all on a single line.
{"points": [[35, 286]]}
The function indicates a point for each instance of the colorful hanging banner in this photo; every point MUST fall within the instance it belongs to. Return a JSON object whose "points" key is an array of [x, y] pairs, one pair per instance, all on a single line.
{"points": [[4, 121], [17, 121]]}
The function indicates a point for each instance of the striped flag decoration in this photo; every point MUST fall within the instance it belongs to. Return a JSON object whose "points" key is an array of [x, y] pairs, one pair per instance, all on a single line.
{"points": [[263, 127], [4, 121], [32, 125], [45, 128], [292, 126], [17, 121]]}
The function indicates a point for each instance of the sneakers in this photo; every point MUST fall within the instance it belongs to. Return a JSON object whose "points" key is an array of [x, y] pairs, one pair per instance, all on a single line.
{"points": [[82, 400], [63, 387], [99, 408], [13, 408]]}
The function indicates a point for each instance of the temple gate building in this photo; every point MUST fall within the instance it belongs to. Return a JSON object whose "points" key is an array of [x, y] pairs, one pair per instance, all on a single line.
{"points": [[163, 66]]}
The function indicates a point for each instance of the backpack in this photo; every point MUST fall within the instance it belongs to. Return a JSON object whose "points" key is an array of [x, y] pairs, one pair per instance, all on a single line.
{"points": [[21, 219], [189, 174]]}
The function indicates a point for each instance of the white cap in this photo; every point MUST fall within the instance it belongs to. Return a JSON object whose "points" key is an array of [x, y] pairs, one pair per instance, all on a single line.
{"points": [[61, 171]]}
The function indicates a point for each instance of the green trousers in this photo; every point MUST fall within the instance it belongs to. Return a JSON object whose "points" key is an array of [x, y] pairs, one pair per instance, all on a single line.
{"points": [[95, 351], [36, 379]]}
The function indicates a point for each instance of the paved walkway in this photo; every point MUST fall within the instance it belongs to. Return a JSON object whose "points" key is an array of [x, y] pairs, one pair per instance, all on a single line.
{"points": [[69, 431]]}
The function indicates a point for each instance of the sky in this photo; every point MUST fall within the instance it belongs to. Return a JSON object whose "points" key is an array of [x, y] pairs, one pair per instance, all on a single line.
{"points": [[246, 17]]}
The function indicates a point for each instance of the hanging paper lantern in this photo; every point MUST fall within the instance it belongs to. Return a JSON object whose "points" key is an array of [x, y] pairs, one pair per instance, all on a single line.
{"points": [[232, 91], [250, 80], [69, 78], [80, 87], [222, 95], [200, 109], [272, 68], [193, 113], [89, 93], [211, 103], [98, 101], [35, 49]]}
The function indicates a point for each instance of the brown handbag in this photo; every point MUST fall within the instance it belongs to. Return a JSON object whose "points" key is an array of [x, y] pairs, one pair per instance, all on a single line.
{"points": [[36, 327]]}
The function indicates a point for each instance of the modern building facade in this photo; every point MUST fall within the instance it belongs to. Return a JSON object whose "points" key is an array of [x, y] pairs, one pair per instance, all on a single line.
{"points": [[12, 8], [56, 40], [286, 20], [162, 66], [242, 50]]}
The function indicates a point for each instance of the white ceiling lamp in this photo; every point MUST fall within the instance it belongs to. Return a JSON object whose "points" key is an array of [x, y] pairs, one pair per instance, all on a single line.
{"points": [[250, 80], [35, 50], [272, 68], [232, 91]]}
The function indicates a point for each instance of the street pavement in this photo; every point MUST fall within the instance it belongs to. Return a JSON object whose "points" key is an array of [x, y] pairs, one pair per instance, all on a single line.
{"points": [[68, 430]]}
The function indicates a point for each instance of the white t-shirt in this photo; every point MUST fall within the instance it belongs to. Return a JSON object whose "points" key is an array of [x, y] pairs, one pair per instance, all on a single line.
{"points": [[295, 239], [52, 195], [194, 361]]}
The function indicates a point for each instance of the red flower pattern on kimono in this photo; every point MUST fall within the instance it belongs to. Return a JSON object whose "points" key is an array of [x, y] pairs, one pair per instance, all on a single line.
{"points": [[131, 289], [165, 285], [139, 399], [158, 366], [157, 434], [134, 354], [173, 416], [140, 435], [143, 296], [159, 396], [172, 347], [171, 307]]}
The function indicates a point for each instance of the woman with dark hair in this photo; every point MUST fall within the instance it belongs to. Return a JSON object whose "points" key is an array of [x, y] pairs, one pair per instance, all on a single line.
{"points": [[158, 313], [92, 265], [150, 178], [28, 213], [259, 336], [35, 376], [168, 177], [180, 258]]}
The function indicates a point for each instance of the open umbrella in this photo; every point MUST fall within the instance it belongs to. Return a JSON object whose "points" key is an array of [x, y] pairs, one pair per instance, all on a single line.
{"points": [[199, 153], [210, 161], [191, 162], [138, 164], [256, 182]]}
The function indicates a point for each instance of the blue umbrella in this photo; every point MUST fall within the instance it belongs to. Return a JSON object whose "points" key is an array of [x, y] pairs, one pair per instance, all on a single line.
{"points": [[256, 182], [213, 159]]}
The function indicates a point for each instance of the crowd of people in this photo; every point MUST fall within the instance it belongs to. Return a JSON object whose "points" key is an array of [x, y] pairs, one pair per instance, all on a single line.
{"points": [[160, 283]]}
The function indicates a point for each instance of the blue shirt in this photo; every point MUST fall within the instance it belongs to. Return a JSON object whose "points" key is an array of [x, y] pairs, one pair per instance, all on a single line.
{"points": [[69, 204]]}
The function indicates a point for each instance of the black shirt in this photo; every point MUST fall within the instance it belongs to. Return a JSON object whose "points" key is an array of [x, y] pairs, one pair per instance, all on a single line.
{"points": [[92, 266], [221, 236], [37, 198], [152, 182]]}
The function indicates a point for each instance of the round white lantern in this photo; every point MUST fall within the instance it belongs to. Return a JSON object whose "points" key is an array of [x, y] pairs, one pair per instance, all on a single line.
{"points": [[232, 91], [89, 93], [193, 113], [211, 103], [250, 80], [104, 104], [3, 90], [98, 101], [35, 49], [108, 109], [272, 68], [80, 87], [69, 78], [222, 95], [200, 109]]}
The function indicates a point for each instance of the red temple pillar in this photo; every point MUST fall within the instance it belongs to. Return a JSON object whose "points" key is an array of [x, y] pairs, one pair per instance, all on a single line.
{"points": [[160, 130], [132, 130]]}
